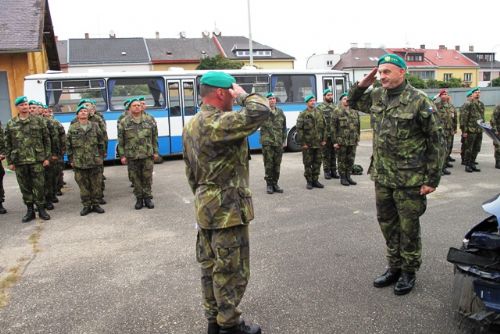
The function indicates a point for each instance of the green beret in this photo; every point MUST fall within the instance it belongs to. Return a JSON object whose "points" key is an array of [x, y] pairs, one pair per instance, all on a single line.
{"points": [[217, 79], [45, 106], [82, 101], [130, 101], [326, 91], [141, 98], [473, 90], [80, 108], [20, 99], [270, 94], [94, 102], [390, 58], [32, 102], [308, 97], [469, 93], [342, 95]]}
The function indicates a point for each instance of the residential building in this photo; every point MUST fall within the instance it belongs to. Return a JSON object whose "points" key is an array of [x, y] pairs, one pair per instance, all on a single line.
{"points": [[323, 61], [359, 61], [418, 65], [27, 46], [489, 68]]}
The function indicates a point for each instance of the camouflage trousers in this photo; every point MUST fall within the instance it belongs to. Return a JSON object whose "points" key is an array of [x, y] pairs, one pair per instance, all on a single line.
{"points": [[89, 181], [31, 180], [60, 175], [329, 157], [272, 161], [346, 155], [141, 175], [51, 175], [398, 212], [497, 152], [103, 185], [462, 147], [224, 256], [472, 147], [450, 144], [311, 157], [2, 191]]}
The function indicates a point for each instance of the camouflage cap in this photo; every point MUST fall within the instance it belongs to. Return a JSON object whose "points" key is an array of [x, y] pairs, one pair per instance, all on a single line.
{"points": [[20, 99], [309, 97], [80, 108], [342, 95], [129, 102], [390, 58], [217, 79], [270, 94], [326, 91]]}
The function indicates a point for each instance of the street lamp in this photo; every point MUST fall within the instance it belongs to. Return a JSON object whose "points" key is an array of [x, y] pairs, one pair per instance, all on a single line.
{"points": [[250, 46]]}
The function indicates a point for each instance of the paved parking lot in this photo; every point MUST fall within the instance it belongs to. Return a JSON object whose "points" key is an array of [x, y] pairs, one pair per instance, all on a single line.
{"points": [[314, 254]]}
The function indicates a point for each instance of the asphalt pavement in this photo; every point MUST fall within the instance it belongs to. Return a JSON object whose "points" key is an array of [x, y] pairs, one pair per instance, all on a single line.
{"points": [[314, 255]]}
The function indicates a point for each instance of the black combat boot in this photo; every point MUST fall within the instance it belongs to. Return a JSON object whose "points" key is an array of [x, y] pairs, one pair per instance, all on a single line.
{"points": [[328, 175], [277, 188], [391, 276], [450, 159], [448, 165], [97, 208], [309, 185], [30, 214], [445, 172], [86, 210], [242, 328], [54, 199], [2, 209], [269, 188], [497, 164], [474, 168], [42, 213], [316, 184], [59, 193], [351, 181], [335, 175], [468, 168], [49, 205], [138, 204], [213, 328], [343, 180], [405, 283], [148, 202], [101, 201]]}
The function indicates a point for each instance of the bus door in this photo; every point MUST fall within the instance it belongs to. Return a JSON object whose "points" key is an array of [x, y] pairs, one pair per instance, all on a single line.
{"points": [[181, 108], [336, 84]]}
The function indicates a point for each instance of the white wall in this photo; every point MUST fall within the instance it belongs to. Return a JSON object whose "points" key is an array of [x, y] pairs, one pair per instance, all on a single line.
{"points": [[320, 61], [109, 68]]}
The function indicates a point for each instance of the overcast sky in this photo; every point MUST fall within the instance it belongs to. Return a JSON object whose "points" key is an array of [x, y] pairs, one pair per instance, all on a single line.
{"points": [[298, 28]]}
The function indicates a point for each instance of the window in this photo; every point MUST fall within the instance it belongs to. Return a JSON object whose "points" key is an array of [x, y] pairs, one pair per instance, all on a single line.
{"points": [[64, 95], [415, 57], [467, 77], [254, 83], [174, 99], [256, 53], [153, 90], [447, 76], [424, 75], [189, 102], [486, 76], [290, 88], [329, 63]]}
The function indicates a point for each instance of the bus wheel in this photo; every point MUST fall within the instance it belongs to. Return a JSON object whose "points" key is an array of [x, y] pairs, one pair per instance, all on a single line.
{"points": [[291, 142]]}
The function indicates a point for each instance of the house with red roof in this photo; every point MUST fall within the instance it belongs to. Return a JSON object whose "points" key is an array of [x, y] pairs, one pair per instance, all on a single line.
{"points": [[418, 65]]}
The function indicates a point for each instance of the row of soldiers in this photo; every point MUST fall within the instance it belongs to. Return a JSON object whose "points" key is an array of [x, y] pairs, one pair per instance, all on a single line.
{"points": [[34, 145]]}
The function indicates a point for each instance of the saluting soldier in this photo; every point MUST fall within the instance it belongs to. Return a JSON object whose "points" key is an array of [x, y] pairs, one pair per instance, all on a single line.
{"points": [[312, 136], [495, 125], [216, 155], [446, 113], [408, 155], [27, 148], [85, 149], [272, 138], [473, 111], [2, 170], [327, 108], [345, 137], [137, 148]]}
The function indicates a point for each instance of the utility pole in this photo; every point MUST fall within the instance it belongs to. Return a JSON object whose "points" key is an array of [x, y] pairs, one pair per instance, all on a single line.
{"points": [[250, 46]]}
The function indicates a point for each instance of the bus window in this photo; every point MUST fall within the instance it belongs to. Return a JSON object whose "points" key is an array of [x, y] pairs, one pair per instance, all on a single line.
{"points": [[292, 88], [339, 86], [153, 90], [254, 83], [189, 102], [64, 95], [174, 102]]}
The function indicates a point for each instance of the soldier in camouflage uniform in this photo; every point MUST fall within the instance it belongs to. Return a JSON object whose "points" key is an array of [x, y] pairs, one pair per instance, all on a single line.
{"points": [[495, 125], [85, 148], [59, 182], [216, 155], [27, 149], [272, 137], [345, 133], [311, 135], [58, 143], [137, 147], [408, 154], [326, 108], [473, 111], [461, 125], [447, 115], [144, 106], [2, 170]]}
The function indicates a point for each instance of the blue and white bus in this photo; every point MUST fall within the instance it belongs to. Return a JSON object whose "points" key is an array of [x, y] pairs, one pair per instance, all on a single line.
{"points": [[172, 97]]}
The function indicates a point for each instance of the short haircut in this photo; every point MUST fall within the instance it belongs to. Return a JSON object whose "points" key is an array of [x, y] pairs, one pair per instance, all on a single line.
{"points": [[206, 90]]}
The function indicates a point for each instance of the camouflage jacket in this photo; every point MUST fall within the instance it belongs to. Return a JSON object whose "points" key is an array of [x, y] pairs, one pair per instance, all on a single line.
{"points": [[2, 141], [311, 128], [273, 130], [495, 120], [327, 110], [99, 120], [61, 134], [216, 155], [137, 140], [472, 112], [345, 126], [27, 141], [85, 147], [55, 142], [448, 116], [408, 147]]}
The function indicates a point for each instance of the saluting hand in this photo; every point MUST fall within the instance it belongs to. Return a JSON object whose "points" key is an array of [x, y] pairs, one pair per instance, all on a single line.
{"points": [[123, 160], [369, 78], [424, 190], [236, 91]]}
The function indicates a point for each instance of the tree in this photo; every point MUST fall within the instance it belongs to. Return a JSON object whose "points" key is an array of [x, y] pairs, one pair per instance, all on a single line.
{"points": [[416, 81], [496, 82], [218, 62]]}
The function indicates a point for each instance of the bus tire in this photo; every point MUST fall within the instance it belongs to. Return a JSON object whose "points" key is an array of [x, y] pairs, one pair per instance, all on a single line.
{"points": [[291, 142]]}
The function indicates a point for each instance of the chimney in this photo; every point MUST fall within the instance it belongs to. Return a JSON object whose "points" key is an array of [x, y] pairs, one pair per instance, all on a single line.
{"points": [[330, 52], [157, 34], [471, 48], [457, 47], [422, 46], [86, 35], [442, 47], [354, 45]]}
